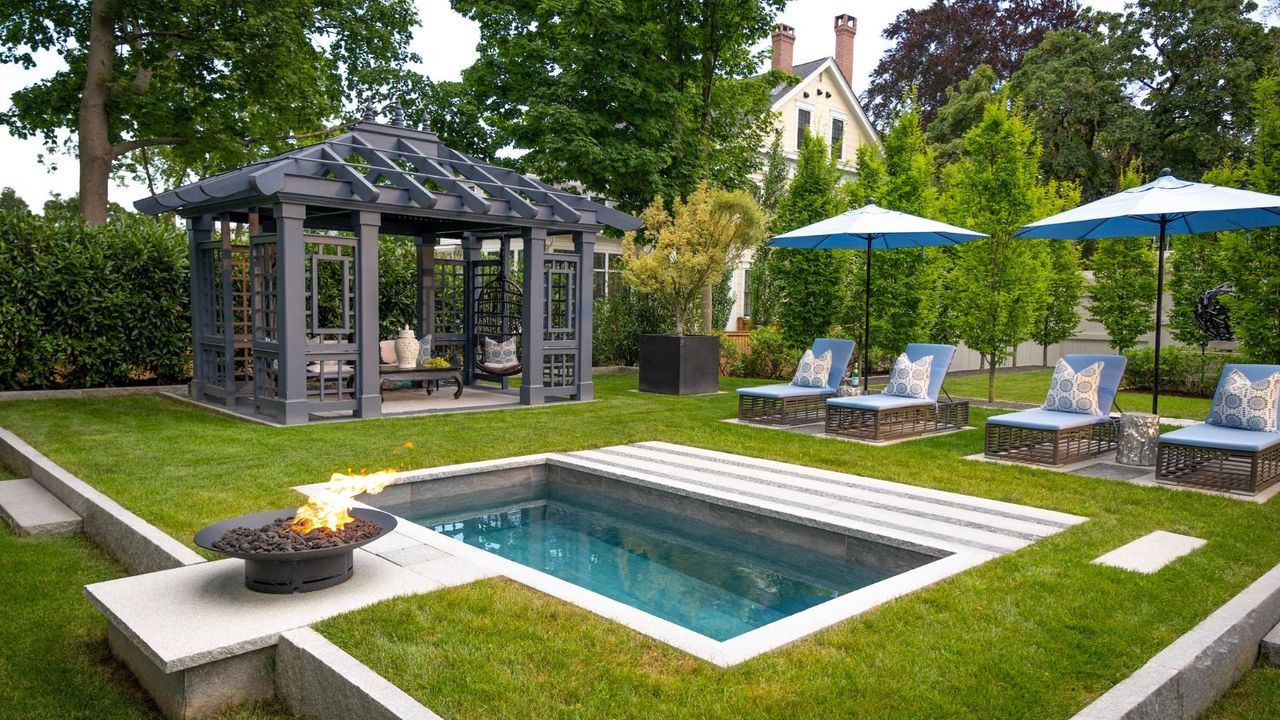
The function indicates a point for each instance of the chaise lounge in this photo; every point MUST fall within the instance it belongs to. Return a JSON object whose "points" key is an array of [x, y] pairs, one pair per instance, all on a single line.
{"points": [[1045, 436], [792, 404], [890, 416], [1223, 453]]}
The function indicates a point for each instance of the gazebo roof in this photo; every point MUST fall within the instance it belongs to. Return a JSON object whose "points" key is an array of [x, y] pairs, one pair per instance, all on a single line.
{"points": [[406, 174]]}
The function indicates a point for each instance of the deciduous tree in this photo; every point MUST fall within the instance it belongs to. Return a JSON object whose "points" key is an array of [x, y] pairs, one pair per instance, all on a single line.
{"points": [[1063, 291], [1124, 281], [216, 82]]}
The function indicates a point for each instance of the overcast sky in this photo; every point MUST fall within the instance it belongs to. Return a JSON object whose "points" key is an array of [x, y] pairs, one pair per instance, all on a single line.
{"points": [[446, 41]]}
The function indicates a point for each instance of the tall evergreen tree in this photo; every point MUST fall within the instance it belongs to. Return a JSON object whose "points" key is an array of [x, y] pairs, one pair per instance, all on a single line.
{"points": [[1124, 281], [809, 283], [1254, 257], [998, 285]]}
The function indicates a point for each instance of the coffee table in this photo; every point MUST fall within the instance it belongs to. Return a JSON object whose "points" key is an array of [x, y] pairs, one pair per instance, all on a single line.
{"points": [[429, 377]]}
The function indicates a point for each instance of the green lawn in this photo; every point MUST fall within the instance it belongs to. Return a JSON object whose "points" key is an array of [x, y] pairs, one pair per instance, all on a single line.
{"points": [[1030, 386], [1037, 633], [1255, 697]]}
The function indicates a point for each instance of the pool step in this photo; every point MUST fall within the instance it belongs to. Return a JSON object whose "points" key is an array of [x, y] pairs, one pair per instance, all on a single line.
{"points": [[31, 510]]}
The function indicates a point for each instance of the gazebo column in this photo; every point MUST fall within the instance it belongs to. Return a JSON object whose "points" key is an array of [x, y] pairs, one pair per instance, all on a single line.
{"points": [[471, 254], [198, 230], [535, 244], [426, 246], [368, 383], [584, 244], [228, 313], [291, 301]]}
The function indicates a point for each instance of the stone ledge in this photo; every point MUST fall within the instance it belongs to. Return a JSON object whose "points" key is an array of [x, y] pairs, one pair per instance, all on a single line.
{"points": [[1271, 646], [1189, 675], [138, 545], [106, 392], [316, 679], [31, 510]]}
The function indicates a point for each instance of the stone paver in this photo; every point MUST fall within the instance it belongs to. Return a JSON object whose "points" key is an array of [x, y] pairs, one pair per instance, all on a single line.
{"points": [[1151, 552], [32, 510], [1271, 646]]}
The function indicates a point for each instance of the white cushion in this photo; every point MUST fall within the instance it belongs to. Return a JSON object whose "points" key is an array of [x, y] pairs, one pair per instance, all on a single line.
{"points": [[1075, 392], [910, 379], [1246, 405], [387, 352], [813, 371]]}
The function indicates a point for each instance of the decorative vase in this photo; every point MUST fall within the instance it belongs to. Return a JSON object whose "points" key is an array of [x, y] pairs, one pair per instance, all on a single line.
{"points": [[407, 349]]}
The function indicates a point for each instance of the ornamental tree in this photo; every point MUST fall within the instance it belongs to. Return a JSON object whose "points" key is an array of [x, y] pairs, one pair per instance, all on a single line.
{"points": [[1064, 288], [1124, 282], [690, 247]]}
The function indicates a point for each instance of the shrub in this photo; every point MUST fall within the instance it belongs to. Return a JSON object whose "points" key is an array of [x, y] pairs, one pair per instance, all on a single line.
{"points": [[1183, 371], [619, 320], [730, 357], [85, 306], [770, 355]]}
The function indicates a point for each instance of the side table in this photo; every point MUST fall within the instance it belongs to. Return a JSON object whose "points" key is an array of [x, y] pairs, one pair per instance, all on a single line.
{"points": [[1138, 435]]}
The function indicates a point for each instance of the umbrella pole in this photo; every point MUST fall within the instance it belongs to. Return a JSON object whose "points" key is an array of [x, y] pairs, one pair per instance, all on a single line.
{"points": [[866, 328], [1155, 390]]}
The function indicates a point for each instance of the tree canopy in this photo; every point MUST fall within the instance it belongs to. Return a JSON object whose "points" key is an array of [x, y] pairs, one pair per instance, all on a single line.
{"points": [[213, 83]]}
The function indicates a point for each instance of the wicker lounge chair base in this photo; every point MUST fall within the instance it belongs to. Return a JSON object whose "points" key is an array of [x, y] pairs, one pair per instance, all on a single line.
{"points": [[1049, 447], [1237, 471], [795, 410], [895, 423]]}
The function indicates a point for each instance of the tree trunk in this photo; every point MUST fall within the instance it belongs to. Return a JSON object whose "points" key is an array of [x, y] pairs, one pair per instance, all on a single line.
{"points": [[991, 378], [93, 133], [1044, 358], [708, 310]]}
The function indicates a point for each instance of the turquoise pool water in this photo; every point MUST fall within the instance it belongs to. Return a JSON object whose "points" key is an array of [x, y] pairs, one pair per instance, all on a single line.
{"points": [[718, 582]]}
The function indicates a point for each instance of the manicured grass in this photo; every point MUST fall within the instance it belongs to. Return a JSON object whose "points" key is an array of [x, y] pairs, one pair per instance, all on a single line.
{"points": [[1037, 633], [54, 661], [1255, 697], [1030, 386]]}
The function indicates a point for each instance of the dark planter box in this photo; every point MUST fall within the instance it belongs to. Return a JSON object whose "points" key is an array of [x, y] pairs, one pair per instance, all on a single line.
{"points": [[680, 364]]}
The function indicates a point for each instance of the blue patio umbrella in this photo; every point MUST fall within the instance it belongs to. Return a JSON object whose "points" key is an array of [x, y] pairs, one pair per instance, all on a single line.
{"points": [[872, 227], [1165, 206]]}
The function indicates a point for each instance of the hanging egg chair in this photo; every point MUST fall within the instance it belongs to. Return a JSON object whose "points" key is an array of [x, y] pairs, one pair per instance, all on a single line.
{"points": [[499, 323]]}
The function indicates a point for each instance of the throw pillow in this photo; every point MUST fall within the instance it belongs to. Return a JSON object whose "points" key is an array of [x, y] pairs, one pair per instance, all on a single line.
{"points": [[1246, 405], [424, 349], [813, 371], [910, 379], [500, 354], [1075, 392]]}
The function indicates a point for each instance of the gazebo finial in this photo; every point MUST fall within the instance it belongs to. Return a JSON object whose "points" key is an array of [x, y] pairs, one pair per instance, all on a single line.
{"points": [[1166, 173], [426, 124], [370, 113], [397, 114]]}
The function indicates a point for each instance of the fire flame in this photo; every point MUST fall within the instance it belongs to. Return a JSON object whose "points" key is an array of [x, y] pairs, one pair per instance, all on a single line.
{"points": [[328, 511]]}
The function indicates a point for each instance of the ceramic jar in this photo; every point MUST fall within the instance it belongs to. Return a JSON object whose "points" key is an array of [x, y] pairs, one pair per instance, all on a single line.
{"points": [[406, 349]]}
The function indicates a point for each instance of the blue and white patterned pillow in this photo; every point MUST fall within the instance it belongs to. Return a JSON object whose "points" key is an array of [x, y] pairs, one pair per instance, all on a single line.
{"points": [[1246, 405], [813, 371], [910, 379], [424, 349], [500, 354], [1075, 392]]}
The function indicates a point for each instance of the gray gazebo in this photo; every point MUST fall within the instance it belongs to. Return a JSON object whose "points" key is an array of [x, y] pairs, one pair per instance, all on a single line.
{"points": [[260, 341]]}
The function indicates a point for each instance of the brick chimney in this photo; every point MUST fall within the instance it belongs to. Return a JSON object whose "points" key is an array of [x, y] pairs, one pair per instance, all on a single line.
{"points": [[846, 28], [784, 42]]}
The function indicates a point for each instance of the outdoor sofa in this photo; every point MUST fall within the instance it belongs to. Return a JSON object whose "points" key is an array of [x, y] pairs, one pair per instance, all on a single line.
{"points": [[789, 404], [1222, 458], [1054, 437], [882, 416]]}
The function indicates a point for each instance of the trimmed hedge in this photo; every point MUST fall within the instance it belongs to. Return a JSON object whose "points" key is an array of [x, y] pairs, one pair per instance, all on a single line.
{"points": [[84, 306], [1184, 371]]}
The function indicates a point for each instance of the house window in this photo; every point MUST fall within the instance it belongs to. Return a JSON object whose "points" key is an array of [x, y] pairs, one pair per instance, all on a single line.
{"points": [[837, 138], [607, 272], [802, 126], [746, 292]]}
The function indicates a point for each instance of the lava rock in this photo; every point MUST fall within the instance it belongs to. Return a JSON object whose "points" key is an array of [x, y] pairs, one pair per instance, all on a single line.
{"points": [[278, 536]]}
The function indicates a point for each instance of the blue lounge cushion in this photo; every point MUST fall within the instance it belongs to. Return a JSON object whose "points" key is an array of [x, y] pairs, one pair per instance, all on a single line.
{"points": [[878, 402], [784, 390], [1216, 436], [1041, 419], [841, 352]]}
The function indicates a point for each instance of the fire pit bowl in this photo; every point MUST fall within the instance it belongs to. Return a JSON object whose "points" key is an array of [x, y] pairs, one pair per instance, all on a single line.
{"points": [[290, 571]]}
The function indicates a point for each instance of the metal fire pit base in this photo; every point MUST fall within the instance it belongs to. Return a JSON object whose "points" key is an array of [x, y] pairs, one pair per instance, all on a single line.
{"points": [[282, 573], [284, 577]]}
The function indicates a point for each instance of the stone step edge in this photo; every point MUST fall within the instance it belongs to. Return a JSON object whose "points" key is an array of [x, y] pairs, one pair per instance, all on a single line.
{"points": [[68, 522], [1271, 646], [319, 680]]}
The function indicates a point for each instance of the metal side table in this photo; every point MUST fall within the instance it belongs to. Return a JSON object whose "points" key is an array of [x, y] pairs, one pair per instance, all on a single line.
{"points": [[1136, 444]]}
